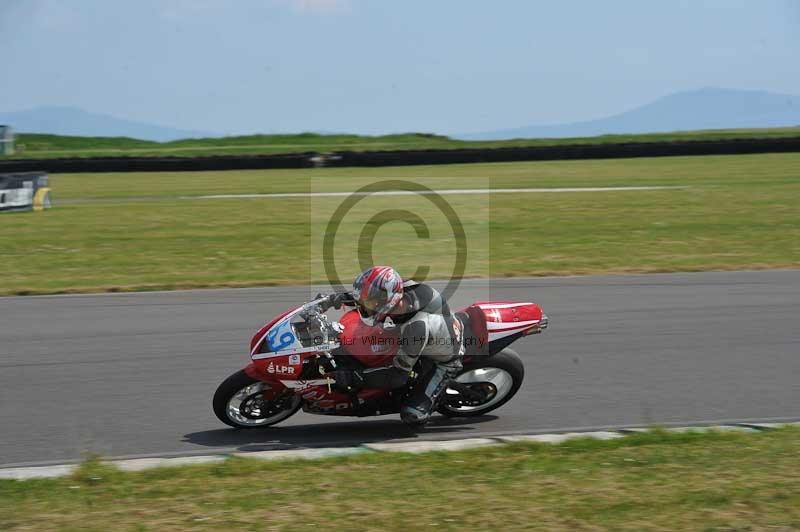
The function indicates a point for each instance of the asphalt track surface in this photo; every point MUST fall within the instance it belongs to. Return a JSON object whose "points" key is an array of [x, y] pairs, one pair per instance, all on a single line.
{"points": [[133, 374]]}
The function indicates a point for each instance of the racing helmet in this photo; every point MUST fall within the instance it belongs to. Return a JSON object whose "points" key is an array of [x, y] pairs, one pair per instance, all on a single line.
{"points": [[376, 292]]}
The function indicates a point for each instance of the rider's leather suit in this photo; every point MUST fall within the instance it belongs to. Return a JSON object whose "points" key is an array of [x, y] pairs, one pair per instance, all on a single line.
{"points": [[427, 329]]}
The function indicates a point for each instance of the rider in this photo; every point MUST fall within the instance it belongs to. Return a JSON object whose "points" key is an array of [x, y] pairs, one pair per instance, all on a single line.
{"points": [[427, 328]]}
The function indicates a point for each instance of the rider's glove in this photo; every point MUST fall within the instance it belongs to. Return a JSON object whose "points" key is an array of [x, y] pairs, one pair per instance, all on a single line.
{"points": [[334, 300], [347, 380], [342, 298], [327, 301]]}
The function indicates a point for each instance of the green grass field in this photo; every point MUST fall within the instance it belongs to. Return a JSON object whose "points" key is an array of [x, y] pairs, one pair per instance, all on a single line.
{"points": [[651, 481], [47, 146], [131, 232]]}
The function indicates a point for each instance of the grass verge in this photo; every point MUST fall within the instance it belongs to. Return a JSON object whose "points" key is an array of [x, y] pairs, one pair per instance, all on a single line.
{"points": [[738, 212], [46, 146], [650, 481]]}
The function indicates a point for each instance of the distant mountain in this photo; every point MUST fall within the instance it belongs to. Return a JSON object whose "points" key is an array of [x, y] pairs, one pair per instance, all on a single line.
{"points": [[708, 108], [73, 121]]}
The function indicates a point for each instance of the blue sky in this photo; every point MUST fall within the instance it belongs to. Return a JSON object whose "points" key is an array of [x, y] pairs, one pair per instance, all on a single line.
{"points": [[375, 66]]}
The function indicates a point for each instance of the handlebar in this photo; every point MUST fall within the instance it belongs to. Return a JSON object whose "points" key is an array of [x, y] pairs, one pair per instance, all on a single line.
{"points": [[313, 312]]}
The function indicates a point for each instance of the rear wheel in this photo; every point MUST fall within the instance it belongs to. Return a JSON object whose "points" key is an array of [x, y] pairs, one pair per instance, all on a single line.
{"points": [[484, 385], [239, 402]]}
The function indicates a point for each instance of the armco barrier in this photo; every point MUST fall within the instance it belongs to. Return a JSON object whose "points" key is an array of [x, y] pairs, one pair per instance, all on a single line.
{"points": [[158, 164], [405, 158], [575, 151]]}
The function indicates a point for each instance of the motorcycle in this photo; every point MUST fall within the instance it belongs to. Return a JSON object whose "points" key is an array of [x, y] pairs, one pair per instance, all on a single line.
{"points": [[293, 357]]}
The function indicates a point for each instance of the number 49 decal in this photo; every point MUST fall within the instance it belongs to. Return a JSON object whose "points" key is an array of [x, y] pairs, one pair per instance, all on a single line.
{"points": [[280, 336]]}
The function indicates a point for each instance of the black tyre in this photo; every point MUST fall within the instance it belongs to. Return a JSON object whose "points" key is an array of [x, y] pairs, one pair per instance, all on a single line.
{"points": [[497, 378], [239, 402]]}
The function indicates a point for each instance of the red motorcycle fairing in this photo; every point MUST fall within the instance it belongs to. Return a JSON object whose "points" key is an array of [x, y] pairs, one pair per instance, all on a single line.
{"points": [[259, 337], [372, 346], [286, 367], [492, 325], [504, 318], [318, 400], [274, 370]]}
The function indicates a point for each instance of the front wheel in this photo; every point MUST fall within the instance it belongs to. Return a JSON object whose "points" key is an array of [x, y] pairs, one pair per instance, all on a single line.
{"points": [[484, 385], [239, 402]]}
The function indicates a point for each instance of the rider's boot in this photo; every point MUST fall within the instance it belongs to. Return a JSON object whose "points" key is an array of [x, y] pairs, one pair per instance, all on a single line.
{"points": [[428, 390]]}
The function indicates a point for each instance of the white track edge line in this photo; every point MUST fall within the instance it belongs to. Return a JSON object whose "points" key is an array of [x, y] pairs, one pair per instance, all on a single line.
{"points": [[443, 192], [141, 464]]}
